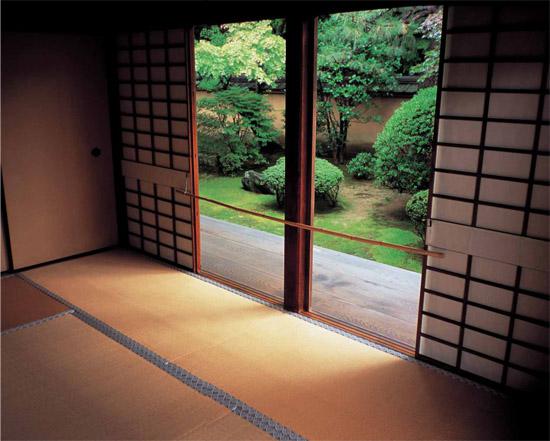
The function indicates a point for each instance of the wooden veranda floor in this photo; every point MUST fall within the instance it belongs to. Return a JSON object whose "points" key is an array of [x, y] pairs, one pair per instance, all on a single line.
{"points": [[364, 293]]}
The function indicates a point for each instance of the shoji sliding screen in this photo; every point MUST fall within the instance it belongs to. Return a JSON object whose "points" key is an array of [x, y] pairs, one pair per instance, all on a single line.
{"points": [[484, 309], [153, 74]]}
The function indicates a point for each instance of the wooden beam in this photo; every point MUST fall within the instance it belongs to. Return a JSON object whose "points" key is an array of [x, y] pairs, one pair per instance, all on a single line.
{"points": [[301, 78]]}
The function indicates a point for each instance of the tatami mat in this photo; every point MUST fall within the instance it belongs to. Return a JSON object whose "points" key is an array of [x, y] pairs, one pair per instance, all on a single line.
{"points": [[320, 384], [64, 380], [22, 303]]}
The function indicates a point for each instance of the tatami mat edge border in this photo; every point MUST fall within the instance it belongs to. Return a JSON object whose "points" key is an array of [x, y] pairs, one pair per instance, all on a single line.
{"points": [[236, 406]]}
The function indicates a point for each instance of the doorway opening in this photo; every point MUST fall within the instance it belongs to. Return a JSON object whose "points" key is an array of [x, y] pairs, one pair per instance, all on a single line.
{"points": [[377, 72], [240, 70]]}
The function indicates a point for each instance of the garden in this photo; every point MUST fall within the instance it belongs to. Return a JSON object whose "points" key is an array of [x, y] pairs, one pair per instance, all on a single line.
{"points": [[377, 190]]}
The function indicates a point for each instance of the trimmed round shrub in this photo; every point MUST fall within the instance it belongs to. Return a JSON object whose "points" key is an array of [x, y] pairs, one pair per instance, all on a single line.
{"points": [[231, 163], [328, 178], [362, 166], [274, 178], [417, 211], [404, 147]]}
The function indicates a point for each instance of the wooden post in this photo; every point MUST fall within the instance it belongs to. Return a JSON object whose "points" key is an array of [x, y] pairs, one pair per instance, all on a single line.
{"points": [[193, 148], [301, 78]]}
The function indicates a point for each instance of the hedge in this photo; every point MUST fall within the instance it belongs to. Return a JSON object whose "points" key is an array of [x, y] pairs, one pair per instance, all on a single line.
{"points": [[404, 147], [417, 211], [362, 166]]}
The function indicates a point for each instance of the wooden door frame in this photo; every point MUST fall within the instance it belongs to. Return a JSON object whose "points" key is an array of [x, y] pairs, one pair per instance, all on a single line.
{"points": [[301, 74], [300, 139], [193, 148]]}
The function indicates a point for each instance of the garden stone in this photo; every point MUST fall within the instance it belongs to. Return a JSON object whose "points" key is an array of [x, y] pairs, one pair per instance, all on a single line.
{"points": [[254, 181]]}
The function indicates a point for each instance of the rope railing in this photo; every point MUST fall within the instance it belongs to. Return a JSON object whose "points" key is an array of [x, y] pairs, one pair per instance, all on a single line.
{"points": [[406, 249]]}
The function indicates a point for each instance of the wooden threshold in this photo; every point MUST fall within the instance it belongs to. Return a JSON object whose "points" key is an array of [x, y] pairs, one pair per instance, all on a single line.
{"points": [[60, 260], [363, 333], [235, 285]]}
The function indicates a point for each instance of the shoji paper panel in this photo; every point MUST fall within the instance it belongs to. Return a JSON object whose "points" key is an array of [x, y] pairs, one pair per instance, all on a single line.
{"points": [[154, 99], [485, 304]]}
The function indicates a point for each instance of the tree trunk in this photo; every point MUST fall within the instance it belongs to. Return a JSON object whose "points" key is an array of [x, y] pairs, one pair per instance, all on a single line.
{"points": [[345, 141], [226, 83], [342, 140]]}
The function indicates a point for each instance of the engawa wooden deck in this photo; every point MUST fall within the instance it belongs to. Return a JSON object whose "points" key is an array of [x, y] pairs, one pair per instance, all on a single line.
{"points": [[371, 295]]}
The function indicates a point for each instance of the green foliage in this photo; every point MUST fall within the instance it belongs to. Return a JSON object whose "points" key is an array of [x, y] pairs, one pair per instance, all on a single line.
{"points": [[232, 163], [360, 53], [431, 32], [215, 34], [251, 50], [328, 178], [233, 125], [350, 216], [417, 211], [274, 178], [362, 166], [279, 26], [208, 162], [404, 147]]}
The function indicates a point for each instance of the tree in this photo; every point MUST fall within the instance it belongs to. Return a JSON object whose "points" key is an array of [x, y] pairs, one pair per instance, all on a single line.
{"points": [[360, 54], [428, 69], [233, 125], [251, 50]]}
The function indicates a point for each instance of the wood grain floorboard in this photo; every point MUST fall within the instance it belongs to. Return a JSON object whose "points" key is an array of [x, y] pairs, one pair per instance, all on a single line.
{"points": [[371, 295]]}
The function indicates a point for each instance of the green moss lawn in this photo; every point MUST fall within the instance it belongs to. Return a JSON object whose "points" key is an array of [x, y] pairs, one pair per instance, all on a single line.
{"points": [[363, 209]]}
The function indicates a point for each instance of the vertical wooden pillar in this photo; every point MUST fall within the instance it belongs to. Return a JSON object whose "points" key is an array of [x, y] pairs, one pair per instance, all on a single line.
{"points": [[111, 53], [301, 77], [193, 147]]}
